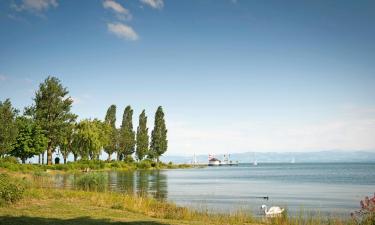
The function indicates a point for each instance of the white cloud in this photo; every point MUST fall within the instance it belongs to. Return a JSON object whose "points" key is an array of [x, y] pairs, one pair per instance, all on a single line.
{"points": [[122, 31], [121, 12], [156, 4], [35, 5]]}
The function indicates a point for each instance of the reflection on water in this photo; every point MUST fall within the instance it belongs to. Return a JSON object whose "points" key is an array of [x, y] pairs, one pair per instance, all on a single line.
{"points": [[142, 182], [325, 188]]}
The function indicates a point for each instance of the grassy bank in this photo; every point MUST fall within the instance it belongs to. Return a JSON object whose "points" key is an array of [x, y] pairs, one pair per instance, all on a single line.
{"points": [[92, 165], [57, 206]]}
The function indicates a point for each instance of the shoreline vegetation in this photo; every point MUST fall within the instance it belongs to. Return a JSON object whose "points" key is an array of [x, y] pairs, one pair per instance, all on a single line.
{"points": [[31, 199], [11, 164]]}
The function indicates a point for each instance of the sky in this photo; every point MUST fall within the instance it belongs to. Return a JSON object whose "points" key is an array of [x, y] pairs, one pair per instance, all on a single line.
{"points": [[232, 75]]}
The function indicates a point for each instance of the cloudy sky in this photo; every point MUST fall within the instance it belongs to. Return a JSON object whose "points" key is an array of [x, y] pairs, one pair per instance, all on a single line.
{"points": [[232, 76]]}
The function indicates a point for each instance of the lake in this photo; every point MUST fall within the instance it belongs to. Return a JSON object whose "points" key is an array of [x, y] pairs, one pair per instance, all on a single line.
{"points": [[327, 188]]}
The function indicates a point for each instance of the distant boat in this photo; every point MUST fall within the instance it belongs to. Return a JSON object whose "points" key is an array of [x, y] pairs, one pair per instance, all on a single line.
{"points": [[255, 163], [212, 161]]}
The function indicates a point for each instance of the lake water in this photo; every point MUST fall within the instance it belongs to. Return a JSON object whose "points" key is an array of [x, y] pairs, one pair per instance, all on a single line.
{"points": [[333, 189]]}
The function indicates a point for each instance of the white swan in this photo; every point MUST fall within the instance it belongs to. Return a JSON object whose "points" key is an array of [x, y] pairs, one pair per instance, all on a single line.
{"points": [[273, 211]]}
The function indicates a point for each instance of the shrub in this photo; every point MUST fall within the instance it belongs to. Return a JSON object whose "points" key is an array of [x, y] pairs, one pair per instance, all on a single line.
{"points": [[11, 190], [144, 164], [91, 182], [129, 159], [365, 215], [10, 159]]}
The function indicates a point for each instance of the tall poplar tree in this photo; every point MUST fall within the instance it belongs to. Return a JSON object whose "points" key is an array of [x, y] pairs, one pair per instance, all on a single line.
{"points": [[142, 137], [8, 127], [159, 142], [127, 135], [110, 120], [52, 112]]}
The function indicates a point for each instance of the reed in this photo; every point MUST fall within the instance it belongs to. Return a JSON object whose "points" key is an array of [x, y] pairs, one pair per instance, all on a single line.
{"points": [[91, 182]]}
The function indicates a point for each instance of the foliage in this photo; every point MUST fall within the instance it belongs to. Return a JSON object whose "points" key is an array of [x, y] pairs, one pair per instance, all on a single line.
{"points": [[52, 112], [30, 140], [127, 135], [110, 120], [9, 159], [8, 128], [159, 142], [365, 215], [91, 182], [87, 139], [142, 137], [66, 144], [11, 189]]}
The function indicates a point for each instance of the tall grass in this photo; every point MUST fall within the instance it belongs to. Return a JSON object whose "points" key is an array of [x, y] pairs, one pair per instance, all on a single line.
{"points": [[91, 182]]}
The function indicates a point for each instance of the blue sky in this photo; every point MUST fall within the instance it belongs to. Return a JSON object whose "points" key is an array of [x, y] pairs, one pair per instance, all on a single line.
{"points": [[232, 76]]}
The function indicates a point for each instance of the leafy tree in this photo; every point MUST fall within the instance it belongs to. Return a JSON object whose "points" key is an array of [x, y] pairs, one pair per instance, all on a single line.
{"points": [[110, 120], [142, 137], [8, 127], [66, 143], [159, 142], [52, 112], [30, 140], [105, 131], [127, 135], [87, 139]]}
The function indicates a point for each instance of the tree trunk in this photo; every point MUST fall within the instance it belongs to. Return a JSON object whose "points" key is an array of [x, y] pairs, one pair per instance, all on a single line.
{"points": [[109, 157], [39, 159], [43, 158], [64, 159], [49, 154], [75, 157], [23, 160]]}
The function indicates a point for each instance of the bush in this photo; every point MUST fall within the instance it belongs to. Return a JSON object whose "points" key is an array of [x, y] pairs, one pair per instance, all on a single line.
{"points": [[11, 190], [144, 164], [129, 159], [10, 159], [366, 214], [91, 182]]}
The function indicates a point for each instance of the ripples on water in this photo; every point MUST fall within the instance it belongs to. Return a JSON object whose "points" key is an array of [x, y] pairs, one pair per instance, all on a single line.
{"points": [[326, 188]]}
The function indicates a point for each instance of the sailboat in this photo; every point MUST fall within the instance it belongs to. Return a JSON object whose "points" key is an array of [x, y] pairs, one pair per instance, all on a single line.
{"points": [[255, 163]]}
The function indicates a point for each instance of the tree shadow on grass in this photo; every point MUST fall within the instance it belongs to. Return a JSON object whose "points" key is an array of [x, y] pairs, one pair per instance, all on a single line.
{"points": [[25, 220]]}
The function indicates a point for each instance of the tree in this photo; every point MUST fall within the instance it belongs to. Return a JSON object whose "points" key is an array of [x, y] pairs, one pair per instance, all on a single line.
{"points": [[87, 139], [127, 135], [8, 127], [52, 112], [110, 120], [30, 140], [142, 137], [66, 143], [159, 142]]}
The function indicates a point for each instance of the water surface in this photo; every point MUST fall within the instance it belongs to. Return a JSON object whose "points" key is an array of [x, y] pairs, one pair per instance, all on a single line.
{"points": [[334, 189]]}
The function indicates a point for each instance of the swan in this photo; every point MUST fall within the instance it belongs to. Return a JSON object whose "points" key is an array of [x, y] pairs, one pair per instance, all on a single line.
{"points": [[273, 211]]}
